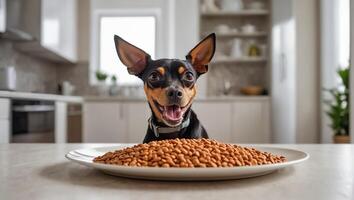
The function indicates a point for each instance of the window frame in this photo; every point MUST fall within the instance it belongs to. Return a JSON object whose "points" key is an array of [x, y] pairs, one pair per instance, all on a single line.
{"points": [[96, 27]]}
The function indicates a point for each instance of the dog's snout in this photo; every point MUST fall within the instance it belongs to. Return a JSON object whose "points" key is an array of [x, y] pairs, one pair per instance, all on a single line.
{"points": [[174, 94]]}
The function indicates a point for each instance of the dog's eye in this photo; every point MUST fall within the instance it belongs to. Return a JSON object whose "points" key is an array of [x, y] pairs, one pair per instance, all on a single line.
{"points": [[188, 76], [154, 77]]}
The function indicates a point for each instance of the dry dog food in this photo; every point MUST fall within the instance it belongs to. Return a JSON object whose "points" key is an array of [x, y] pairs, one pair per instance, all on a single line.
{"points": [[188, 153]]}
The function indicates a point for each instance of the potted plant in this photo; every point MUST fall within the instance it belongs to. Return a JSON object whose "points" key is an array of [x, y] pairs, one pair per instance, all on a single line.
{"points": [[101, 78], [114, 88], [338, 110]]}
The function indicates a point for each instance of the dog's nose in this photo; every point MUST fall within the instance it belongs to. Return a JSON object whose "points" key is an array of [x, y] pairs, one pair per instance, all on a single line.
{"points": [[174, 94]]}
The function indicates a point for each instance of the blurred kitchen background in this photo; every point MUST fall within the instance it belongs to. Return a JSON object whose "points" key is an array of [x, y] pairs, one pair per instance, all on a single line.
{"points": [[279, 75]]}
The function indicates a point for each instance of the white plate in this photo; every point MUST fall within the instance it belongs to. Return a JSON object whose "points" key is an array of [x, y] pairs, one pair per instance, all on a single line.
{"points": [[85, 157]]}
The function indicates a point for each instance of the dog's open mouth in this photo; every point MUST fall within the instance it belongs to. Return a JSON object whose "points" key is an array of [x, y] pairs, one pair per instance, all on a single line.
{"points": [[172, 114]]}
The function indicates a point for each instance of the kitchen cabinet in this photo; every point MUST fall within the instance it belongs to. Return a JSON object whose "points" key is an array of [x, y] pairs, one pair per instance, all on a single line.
{"points": [[61, 125], [51, 27], [4, 120], [227, 121], [251, 122], [115, 121], [74, 123], [59, 30], [236, 122], [104, 122], [137, 114], [216, 119]]}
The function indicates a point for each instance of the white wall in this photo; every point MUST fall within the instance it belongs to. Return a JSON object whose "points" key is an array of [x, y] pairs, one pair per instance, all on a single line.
{"points": [[307, 71], [186, 34], [186, 29], [83, 37]]}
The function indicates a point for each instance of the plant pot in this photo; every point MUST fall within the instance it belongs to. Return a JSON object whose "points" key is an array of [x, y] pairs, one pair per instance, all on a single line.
{"points": [[341, 139], [102, 88], [114, 90]]}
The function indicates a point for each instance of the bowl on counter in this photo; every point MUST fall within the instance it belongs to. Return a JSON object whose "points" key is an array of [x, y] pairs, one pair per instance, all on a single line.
{"points": [[252, 90]]}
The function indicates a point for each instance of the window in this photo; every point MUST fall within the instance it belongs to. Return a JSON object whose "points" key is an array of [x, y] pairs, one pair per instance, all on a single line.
{"points": [[138, 30]]}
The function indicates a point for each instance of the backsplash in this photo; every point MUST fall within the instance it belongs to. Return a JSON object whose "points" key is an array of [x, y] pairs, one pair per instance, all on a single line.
{"points": [[78, 75], [33, 74], [38, 75]]}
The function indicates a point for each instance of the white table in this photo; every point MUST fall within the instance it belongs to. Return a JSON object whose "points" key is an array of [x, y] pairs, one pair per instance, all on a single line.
{"points": [[40, 171]]}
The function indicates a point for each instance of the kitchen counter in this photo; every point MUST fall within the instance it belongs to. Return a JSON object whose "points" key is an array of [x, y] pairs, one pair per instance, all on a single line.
{"points": [[40, 96], [40, 171], [198, 99]]}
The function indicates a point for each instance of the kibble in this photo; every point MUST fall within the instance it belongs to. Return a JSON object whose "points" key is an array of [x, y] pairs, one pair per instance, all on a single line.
{"points": [[188, 153]]}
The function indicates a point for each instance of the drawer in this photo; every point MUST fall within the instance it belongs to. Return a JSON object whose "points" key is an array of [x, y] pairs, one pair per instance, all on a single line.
{"points": [[4, 108]]}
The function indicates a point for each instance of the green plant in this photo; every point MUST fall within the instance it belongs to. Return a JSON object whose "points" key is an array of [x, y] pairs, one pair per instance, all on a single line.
{"points": [[101, 76], [339, 104]]}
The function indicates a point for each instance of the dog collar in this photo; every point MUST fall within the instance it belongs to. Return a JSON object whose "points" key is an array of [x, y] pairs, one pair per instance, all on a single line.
{"points": [[164, 130]]}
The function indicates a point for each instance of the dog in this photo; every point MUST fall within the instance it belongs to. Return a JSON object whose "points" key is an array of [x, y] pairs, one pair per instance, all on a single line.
{"points": [[170, 87]]}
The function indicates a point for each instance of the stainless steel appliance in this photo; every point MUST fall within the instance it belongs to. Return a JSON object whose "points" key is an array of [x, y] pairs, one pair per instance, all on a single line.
{"points": [[32, 121], [7, 78]]}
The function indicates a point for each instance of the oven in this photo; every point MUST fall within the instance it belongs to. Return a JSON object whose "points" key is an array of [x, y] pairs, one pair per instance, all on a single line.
{"points": [[33, 121]]}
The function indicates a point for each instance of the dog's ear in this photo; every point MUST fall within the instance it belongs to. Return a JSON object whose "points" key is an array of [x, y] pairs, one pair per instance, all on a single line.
{"points": [[131, 56], [201, 54]]}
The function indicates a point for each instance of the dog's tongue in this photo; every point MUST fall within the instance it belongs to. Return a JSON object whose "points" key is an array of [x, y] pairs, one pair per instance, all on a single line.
{"points": [[173, 112]]}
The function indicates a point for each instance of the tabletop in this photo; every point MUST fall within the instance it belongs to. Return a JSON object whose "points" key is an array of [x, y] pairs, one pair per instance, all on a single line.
{"points": [[40, 171]]}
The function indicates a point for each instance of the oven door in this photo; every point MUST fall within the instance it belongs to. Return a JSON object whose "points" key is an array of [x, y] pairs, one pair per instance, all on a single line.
{"points": [[32, 122]]}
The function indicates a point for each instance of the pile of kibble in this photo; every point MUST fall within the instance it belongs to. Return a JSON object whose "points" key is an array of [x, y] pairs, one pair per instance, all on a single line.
{"points": [[188, 153]]}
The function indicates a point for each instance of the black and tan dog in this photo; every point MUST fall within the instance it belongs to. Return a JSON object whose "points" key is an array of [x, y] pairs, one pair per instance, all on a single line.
{"points": [[170, 88]]}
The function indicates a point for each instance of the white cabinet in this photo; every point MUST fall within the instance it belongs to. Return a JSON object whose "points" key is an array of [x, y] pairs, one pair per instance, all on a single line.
{"points": [[137, 114], [60, 130], [51, 26], [236, 121], [227, 121], [59, 27], [251, 122], [104, 122], [4, 120], [115, 121], [216, 119]]}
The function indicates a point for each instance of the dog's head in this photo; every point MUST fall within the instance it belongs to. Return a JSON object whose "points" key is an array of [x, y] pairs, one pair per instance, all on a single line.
{"points": [[169, 84]]}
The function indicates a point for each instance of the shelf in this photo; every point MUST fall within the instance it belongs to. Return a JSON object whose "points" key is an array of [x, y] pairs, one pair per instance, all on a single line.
{"points": [[238, 60], [238, 13], [226, 35]]}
